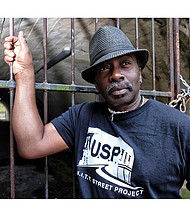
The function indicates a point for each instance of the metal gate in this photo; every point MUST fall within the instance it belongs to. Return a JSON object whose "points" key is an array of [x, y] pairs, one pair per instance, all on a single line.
{"points": [[141, 38]]}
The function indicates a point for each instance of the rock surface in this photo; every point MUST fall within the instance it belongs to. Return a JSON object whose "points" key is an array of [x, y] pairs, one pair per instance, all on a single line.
{"points": [[29, 175]]}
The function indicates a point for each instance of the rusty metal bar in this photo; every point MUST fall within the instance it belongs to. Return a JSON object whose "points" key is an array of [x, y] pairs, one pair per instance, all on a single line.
{"points": [[53, 87], [45, 98], [73, 93], [137, 32], [153, 57], [156, 93], [118, 23], [73, 57], [189, 39], [97, 97], [96, 24], [171, 56], [72, 52], [176, 55], [76, 88], [12, 162], [45, 49], [11, 34]]}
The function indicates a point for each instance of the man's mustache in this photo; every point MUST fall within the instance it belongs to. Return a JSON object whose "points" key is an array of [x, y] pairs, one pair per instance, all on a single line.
{"points": [[118, 86]]}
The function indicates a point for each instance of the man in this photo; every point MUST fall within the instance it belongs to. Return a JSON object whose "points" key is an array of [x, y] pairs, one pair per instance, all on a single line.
{"points": [[125, 147]]}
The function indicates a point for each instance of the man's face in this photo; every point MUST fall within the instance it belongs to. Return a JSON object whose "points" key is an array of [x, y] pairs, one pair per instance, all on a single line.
{"points": [[118, 80]]}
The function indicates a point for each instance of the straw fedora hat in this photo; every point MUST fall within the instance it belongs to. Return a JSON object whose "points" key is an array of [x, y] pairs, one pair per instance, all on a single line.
{"points": [[109, 42]]}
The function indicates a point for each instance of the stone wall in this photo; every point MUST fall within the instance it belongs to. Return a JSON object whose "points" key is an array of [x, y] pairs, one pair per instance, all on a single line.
{"points": [[59, 37]]}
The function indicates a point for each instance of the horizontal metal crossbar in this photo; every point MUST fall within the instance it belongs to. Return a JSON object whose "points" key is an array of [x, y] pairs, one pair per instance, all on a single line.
{"points": [[52, 87], [156, 93], [76, 88]]}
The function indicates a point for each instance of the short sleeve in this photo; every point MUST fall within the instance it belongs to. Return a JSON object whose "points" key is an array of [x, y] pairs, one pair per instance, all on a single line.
{"points": [[72, 123]]}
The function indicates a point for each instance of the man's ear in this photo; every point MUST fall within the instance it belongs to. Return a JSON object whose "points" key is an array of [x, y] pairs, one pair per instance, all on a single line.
{"points": [[140, 79], [96, 86], [140, 71]]}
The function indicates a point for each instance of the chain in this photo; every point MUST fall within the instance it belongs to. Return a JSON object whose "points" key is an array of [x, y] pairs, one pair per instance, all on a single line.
{"points": [[185, 83], [182, 98]]}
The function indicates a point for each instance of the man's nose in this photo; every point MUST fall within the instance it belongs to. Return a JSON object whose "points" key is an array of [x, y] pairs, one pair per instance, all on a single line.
{"points": [[116, 75]]}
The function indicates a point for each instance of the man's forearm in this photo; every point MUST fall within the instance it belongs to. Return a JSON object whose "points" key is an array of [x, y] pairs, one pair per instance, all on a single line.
{"points": [[27, 125]]}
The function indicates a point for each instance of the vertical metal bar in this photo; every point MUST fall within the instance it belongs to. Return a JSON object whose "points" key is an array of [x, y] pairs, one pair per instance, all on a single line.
{"points": [[153, 57], [171, 57], [72, 51], [73, 94], [189, 40], [45, 98], [96, 24], [118, 23], [176, 54], [97, 97], [189, 45], [11, 34], [45, 48], [12, 162], [137, 33], [73, 57]]}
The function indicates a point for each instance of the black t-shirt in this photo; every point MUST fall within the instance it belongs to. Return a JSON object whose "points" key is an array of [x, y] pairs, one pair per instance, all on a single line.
{"points": [[140, 154]]}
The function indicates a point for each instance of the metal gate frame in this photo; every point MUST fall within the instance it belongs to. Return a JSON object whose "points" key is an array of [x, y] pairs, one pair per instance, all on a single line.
{"points": [[174, 72]]}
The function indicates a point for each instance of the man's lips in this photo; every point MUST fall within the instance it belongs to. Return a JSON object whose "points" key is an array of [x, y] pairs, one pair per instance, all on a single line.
{"points": [[118, 92]]}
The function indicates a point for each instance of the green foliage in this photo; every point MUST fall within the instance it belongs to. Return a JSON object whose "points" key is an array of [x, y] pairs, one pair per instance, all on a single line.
{"points": [[2, 107], [185, 193]]}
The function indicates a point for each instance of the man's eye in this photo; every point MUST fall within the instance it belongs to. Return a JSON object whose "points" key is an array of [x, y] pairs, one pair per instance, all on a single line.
{"points": [[125, 62], [104, 67]]}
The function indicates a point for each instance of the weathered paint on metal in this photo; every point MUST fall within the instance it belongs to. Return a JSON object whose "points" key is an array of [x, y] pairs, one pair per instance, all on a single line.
{"points": [[173, 49]]}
